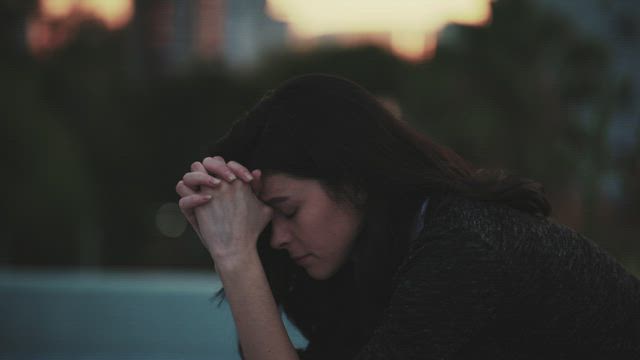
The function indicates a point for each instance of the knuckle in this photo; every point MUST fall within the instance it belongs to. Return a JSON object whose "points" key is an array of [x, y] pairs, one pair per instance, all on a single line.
{"points": [[240, 170], [236, 165], [212, 163], [188, 179], [182, 204], [193, 179]]}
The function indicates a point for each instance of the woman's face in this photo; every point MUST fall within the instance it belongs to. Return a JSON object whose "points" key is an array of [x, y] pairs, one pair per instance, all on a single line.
{"points": [[317, 231]]}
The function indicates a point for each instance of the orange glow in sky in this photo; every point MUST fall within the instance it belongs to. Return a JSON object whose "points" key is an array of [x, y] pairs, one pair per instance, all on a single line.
{"points": [[114, 13], [412, 25], [57, 20]]}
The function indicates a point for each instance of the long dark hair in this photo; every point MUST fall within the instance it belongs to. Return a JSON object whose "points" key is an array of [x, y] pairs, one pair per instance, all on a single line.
{"points": [[334, 131]]}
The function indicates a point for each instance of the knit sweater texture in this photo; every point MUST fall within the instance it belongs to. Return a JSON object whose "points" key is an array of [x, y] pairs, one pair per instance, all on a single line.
{"points": [[485, 281]]}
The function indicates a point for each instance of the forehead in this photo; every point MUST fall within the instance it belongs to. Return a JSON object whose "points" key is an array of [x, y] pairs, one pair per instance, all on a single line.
{"points": [[279, 184]]}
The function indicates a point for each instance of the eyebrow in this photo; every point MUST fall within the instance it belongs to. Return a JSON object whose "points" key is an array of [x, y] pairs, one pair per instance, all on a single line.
{"points": [[277, 200]]}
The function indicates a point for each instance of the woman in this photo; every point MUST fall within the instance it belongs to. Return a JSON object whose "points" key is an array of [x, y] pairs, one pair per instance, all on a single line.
{"points": [[380, 244]]}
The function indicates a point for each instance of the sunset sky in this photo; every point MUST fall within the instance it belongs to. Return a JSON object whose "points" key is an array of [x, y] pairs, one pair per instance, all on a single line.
{"points": [[409, 28]]}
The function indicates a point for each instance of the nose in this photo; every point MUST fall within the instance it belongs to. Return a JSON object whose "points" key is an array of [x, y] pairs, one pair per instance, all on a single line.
{"points": [[280, 235]]}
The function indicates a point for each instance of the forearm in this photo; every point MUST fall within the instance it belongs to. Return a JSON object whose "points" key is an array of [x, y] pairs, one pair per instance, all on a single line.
{"points": [[260, 328]]}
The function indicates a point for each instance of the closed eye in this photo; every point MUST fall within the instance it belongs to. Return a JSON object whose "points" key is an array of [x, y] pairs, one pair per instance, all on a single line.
{"points": [[289, 215]]}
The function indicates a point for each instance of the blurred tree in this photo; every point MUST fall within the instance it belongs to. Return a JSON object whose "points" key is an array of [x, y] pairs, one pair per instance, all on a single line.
{"points": [[96, 142]]}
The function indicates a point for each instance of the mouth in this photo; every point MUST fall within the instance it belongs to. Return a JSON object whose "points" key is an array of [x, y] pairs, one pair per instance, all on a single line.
{"points": [[301, 259]]}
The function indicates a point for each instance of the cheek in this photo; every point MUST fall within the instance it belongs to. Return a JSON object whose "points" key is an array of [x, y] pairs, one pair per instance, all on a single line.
{"points": [[330, 230], [311, 228]]}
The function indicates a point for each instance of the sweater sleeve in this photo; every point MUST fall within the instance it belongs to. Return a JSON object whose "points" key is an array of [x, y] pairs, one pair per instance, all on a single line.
{"points": [[447, 292]]}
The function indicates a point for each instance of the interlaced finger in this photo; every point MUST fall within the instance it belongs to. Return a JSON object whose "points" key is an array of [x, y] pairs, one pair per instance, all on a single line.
{"points": [[240, 171], [197, 166], [217, 167], [183, 190], [196, 179], [187, 203]]}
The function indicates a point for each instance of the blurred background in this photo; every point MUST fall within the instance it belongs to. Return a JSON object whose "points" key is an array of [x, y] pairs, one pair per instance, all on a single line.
{"points": [[104, 104]]}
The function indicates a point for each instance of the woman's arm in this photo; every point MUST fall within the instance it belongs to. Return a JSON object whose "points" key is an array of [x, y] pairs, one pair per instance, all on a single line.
{"points": [[228, 217], [260, 328]]}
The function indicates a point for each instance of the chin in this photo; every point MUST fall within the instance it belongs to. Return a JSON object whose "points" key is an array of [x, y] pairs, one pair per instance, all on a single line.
{"points": [[316, 276], [319, 273]]}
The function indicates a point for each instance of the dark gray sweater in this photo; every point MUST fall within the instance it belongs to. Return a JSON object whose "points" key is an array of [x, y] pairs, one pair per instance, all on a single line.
{"points": [[486, 281]]}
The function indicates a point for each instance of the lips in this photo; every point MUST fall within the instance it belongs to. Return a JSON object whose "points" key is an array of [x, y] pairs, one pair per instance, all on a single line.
{"points": [[301, 260]]}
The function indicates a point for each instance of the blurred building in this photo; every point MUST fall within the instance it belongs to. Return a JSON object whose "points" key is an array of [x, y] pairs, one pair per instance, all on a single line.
{"points": [[250, 33], [176, 34]]}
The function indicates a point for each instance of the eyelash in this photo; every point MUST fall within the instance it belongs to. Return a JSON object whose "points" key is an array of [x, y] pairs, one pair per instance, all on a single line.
{"points": [[289, 216]]}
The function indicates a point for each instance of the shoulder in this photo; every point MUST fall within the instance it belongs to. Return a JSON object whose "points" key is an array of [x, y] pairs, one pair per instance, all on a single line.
{"points": [[481, 271], [537, 253], [527, 244], [508, 231], [451, 213], [543, 262], [455, 246], [457, 241]]}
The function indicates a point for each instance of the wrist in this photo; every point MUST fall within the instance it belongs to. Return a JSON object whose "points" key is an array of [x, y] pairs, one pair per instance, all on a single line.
{"points": [[232, 263]]}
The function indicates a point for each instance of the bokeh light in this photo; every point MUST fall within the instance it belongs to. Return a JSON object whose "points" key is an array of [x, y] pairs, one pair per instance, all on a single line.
{"points": [[114, 13], [170, 221], [412, 25], [57, 8], [56, 21]]}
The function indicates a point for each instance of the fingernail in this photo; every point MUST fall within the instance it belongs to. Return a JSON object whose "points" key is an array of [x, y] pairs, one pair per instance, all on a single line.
{"points": [[207, 197], [215, 181], [231, 177], [249, 177]]}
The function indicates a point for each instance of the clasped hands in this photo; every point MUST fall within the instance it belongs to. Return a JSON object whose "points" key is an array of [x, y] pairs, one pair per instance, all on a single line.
{"points": [[220, 201]]}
